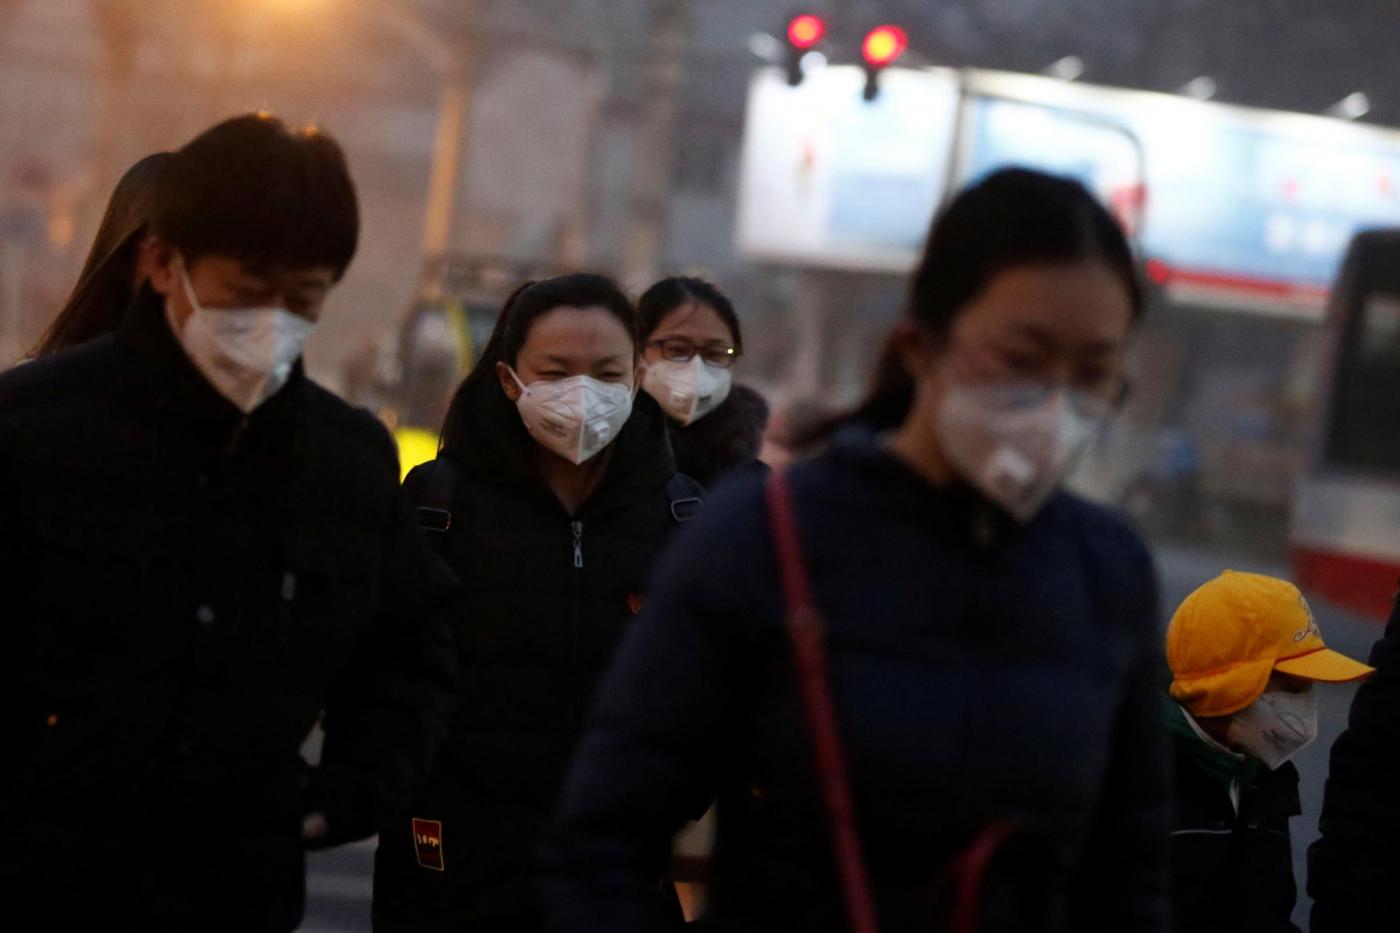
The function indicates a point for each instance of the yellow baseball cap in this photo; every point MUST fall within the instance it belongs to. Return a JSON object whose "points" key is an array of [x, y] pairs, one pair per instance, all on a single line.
{"points": [[1232, 633]]}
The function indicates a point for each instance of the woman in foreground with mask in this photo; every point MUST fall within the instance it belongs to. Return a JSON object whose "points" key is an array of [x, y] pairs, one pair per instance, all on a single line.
{"points": [[554, 491], [1244, 651], [691, 340], [987, 646]]}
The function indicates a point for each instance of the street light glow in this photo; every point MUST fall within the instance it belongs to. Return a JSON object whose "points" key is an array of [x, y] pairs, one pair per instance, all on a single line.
{"points": [[766, 47], [1352, 107], [1202, 88], [1069, 68], [813, 61]]}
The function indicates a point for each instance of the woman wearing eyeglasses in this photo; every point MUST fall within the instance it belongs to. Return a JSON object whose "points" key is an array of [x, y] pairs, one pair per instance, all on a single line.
{"points": [[691, 340], [986, 645]]}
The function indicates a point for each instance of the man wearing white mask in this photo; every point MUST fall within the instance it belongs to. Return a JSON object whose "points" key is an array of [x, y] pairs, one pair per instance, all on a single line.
{"points": [[202, 551], [1244, 651]]}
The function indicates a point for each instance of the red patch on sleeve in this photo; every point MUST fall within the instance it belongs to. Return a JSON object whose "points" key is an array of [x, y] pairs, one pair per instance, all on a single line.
{"points": [[427, 839]]}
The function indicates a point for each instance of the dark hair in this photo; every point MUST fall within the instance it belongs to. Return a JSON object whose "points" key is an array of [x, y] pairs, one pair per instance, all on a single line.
{"points": [[658, 302], [108, 281], [532, 301], [1013, 217], [252, 189]]}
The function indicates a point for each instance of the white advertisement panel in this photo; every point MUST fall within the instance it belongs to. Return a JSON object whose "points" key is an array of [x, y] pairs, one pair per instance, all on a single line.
{"points": [[832, 180], [1229, 204], [1236, 199]]}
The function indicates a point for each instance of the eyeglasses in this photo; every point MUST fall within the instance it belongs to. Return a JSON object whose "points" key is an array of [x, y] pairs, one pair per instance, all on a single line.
{"points": [[1096, 401], [681, 350], [1093, 391]]}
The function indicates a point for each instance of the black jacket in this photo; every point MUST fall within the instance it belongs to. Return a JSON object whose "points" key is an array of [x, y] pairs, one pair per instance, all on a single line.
{"points": [[1354, 869], [185, 590], [547, 596], [727, 439], [1232, 869], [980, 672]]}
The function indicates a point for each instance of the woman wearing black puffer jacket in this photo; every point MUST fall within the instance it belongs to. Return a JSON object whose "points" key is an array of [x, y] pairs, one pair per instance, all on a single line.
{"points": [[554, 491], [691, 340]]}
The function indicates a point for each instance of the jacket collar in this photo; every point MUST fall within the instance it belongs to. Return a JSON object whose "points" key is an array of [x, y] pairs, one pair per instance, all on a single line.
{"points": [[728, 438], [1213, 759], [957, 509], [486, 438], [155, 369]]}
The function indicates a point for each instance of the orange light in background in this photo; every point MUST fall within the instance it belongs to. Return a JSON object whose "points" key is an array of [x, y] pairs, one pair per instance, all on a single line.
{"points": [[295, 10], [806, 30], [63, 228], [883, 45], [291, 6]]}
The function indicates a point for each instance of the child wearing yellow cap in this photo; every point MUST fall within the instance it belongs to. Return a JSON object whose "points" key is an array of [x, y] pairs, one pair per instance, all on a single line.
{"points": [[1244, 652]]}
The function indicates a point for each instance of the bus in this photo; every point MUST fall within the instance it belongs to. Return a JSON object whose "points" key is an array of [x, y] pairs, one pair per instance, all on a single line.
{"points": [[1345, 536]]}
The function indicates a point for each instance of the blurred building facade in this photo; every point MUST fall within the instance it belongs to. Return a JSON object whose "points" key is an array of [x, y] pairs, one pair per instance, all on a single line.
{"points": [[606, 134]]}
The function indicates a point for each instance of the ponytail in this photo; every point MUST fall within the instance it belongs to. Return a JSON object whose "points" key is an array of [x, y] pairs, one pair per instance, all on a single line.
{"points": [[884, 408]]}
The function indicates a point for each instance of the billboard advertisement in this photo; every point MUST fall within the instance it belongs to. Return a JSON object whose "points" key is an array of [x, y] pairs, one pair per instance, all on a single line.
{"points": [[1235, 198], [830, 180], [1225, 201]]}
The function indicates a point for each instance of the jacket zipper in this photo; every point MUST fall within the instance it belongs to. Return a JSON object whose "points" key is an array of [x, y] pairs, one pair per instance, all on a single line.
{"points": [[236, 440], [576, 625]]}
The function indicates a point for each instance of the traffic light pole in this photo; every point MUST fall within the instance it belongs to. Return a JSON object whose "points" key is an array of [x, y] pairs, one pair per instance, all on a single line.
{"points": [[654, 150], [442, 181], [457, 64]]}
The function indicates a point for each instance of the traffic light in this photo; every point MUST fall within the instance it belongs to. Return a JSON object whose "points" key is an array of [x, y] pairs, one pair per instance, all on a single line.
{"points": [[804, 33], [882, 46]]}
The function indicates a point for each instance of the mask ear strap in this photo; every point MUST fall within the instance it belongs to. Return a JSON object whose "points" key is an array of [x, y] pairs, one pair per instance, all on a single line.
{"points": [[516, 377], [187, 284]]}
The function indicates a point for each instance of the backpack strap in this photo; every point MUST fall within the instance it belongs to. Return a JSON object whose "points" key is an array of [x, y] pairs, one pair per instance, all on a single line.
{"points": [[687, 498], [439, 486]]}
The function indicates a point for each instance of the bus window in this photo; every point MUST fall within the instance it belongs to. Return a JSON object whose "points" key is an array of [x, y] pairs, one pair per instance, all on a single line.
{"points": [[1365, 423]]}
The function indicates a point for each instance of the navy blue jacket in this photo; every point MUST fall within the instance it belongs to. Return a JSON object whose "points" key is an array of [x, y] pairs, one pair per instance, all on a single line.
{"points": [[980, 671]]}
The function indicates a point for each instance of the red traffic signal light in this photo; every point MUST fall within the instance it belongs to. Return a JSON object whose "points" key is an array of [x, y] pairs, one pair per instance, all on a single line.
{"points": [[806, 31], [883, 45]]}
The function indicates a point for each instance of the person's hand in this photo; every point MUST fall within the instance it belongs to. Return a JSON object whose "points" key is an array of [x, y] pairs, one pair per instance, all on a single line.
{"points": [[313, 826]]}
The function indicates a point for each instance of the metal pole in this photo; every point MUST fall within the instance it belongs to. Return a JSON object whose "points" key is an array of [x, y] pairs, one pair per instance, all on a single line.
{"points": [[442, 182], [645, 236], [457, 63], [118, 24]]}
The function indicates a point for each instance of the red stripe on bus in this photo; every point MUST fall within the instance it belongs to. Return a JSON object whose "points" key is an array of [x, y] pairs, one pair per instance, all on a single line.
{"points": [[1164, 274], [1361, 584]]}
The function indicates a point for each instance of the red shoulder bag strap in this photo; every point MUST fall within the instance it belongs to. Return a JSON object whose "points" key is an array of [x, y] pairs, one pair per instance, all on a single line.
{"points": [[807, 633]]}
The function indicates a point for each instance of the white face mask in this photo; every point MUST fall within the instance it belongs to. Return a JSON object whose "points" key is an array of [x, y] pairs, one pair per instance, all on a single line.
{"points": [[1275, 727], [575, 417], [1017, 443], [688, 391], [247, 354]]}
